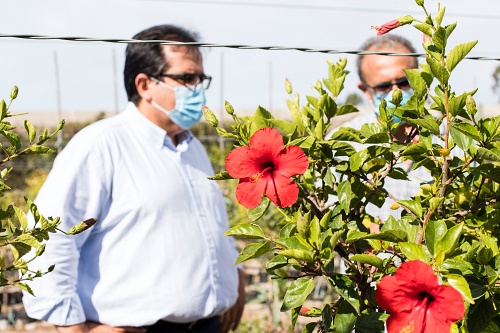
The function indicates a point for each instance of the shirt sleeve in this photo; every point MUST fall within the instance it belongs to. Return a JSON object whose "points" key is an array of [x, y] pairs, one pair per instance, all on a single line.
{"points": [[75, 190]]}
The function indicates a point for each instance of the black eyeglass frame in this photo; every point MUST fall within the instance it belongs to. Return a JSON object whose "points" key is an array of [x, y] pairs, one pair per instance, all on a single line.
{"points": [[184, 78], [386, 87]]}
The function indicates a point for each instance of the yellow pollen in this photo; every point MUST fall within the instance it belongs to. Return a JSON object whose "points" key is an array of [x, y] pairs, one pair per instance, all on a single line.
{"points": [[408, 328], [255, 178]]}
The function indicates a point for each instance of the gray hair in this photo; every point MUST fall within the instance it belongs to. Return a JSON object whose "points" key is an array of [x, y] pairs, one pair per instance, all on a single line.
{"points": [[384, 43]]}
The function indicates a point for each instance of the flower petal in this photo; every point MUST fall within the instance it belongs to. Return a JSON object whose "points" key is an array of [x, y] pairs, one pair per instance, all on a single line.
{"points": [[406, 321], [415, 276], [240, 164], [389, 295], [249, 193], [448, 305], [291, 161], [266, 143], [282, 190]]}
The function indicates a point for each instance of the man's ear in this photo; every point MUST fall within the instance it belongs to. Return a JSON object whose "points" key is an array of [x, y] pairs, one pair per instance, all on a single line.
{"points": [[364, 89], [143, 86]]}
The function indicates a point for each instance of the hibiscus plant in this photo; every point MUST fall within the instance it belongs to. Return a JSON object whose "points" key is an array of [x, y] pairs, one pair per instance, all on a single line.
{"points": [[19, 239], [435, 267]]}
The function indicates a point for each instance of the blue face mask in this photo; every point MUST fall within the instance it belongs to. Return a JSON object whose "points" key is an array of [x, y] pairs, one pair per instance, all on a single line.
{"points": [[377, 98], [188, 104]]}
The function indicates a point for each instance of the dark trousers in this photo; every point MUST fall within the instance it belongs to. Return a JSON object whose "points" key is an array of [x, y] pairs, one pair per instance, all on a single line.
{"points": [[208, 325]]}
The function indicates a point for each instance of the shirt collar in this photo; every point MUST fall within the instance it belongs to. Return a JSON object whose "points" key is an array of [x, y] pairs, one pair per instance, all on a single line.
{"points": [[155, 134]]}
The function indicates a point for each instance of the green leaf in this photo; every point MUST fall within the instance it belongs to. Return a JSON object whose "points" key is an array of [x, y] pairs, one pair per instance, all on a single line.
{"points": [[345, 288], [328, 105], [423, 27], [462, 140], [256, 213], [276, 262], [28, 240], [460, 284], [439, 39], [467, 129], [371, 322], [356, 160], [450, 241], [253, 250], [309, 327], [326, 316], [221, 176], [485, 154], [300, 255], [346, 134], [285, 126], [414, 206], [345, 195], [458, 53], [19, 249], [415, 149], [261, 116], [22, 218], [30, 129], [417, 83], [35, 149], [439, 71], [428, 122], [456, 104], [434, 232], [414, 251], [25, 287], [297, 293], [346, 109], [395, 236], [345, 318], [246, 231], [369, 259], [293, 243]]}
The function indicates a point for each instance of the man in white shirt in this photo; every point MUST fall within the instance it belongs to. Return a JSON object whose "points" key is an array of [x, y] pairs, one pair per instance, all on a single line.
{"points": [[157, 260], [379, 75]]}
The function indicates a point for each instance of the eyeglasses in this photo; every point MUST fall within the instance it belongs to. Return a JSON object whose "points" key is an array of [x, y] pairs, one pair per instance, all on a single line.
{"points": [[386, 87], [190, 80]]}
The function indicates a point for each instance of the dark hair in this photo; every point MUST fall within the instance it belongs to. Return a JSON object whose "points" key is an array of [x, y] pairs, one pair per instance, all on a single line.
{"points": [[148, 58], [384, 43]]}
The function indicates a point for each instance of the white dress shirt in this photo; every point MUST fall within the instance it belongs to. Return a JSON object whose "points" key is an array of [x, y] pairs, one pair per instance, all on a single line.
{"points": [[158, 249]]}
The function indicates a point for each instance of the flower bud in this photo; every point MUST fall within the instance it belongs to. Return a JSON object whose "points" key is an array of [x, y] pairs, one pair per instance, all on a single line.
{"points": [[3, 109], [210, 117], [303, 227], [13, 92], [60, 125], [470, 105], [40, 250], [229, 108], [426, 40], [82, 226], [397, 97], [391, 25], [288, 86], [420, 2], [395, 206], [444, 152]]}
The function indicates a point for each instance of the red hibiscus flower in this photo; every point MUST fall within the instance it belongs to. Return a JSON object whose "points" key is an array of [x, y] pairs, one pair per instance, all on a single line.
{"points": [[265, 168], [417, 302], [391, 25]]}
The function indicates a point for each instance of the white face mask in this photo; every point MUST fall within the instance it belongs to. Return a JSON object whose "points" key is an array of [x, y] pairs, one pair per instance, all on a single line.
{"points": [[188, 104]]}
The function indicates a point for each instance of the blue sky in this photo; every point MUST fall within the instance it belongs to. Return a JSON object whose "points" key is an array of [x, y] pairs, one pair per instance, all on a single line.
{"points": [[248, 78]]}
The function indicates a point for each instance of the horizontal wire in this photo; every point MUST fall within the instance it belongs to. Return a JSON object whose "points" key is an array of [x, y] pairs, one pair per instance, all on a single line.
{"points": [[231, 46]]}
